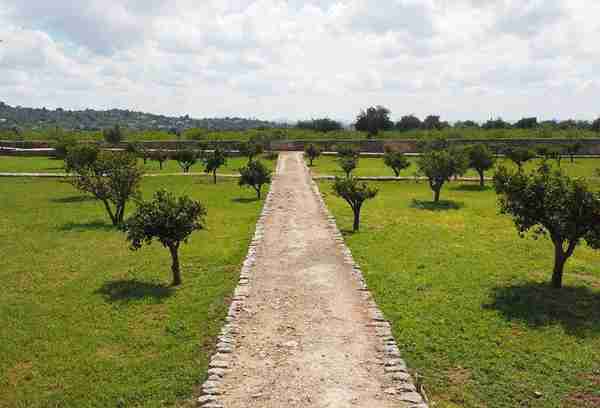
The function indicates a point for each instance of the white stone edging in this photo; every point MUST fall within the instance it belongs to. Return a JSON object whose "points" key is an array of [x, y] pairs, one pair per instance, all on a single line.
{"points": [[220, 362], [394, 366]]}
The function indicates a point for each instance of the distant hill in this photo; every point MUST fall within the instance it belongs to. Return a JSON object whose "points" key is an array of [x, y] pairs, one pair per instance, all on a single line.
{"points": [[90, 119]]}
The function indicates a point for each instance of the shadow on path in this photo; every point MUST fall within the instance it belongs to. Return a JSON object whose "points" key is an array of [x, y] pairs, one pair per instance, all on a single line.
{"points": [[128, 290], [576, 309], [72, 199]]}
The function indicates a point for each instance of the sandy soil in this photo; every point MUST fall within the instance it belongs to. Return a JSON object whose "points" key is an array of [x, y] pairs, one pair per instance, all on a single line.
{"points": [[304, 338]]}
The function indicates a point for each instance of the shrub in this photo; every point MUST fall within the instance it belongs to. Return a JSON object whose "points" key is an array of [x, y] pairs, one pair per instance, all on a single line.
{"points": [[113, 178], [395, 160], [186, 158], [160, 156], [255, 175], [170, 220], [62, 144], [572, 149], [355, 194], [312, 152], [550, 203], [347, 151], [213, 160]]}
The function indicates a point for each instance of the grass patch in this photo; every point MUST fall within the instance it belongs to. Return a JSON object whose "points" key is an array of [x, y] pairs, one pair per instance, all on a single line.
{"points": [[374, 167], [85, 322], [52, 165], [470, 301]]}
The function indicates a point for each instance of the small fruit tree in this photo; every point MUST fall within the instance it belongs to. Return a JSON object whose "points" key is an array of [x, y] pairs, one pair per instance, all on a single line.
{"points": [[520, 155], [551, 203], [213, 160], [160, 156], [481, 159], [113, 178], [186, 158], [255, 175], [395, 160], [355, 194], [312, 152], [439, 166], [168, 219]]}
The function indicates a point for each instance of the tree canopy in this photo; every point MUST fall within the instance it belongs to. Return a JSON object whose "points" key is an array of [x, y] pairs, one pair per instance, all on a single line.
{"points": [[550, 203], [168, 219]]}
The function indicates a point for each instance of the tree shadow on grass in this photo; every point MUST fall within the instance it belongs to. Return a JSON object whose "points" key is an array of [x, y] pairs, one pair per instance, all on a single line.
{"points": [[96, 225], [72, 199], [442, 205], [244, 200], [576, 309], [130, 290], [471, 187]]}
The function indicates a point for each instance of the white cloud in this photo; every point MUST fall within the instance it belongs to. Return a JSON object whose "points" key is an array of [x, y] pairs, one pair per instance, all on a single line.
{"points": [[273, 58]]}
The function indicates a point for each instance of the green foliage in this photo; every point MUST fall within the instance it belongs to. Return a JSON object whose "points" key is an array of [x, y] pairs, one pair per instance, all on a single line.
{"points": [[408, 122], [481, 159], [551, 152], [395, 160], [62, 144], [186, 158], [159, 156], [81, 156], [519, 155], [255, 175], [355, 194], [348, 164], [312, 152], [373, 120], [113, 178], [113, 135], [251, 149], [170, 220], [549, 202], [213, 160], [347, 151], [439, 166], [320, 125], [527, 123], [572, 149]]}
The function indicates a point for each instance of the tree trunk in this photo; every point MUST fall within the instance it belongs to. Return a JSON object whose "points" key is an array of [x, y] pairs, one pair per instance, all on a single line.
{"points": [[160, 165], [174, 249], [110, 213], [258, 191], [572, 159], [215, 176], [120, 213], [560, 259], [356, 224], [311, 161], [481, 180], [436, 195], [396, 172]]}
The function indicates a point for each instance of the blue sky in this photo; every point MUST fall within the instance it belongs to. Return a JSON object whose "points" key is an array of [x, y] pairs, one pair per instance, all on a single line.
{"points": [[462, 59]]}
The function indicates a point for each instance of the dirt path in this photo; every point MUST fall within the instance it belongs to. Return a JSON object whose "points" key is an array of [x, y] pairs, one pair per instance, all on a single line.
{"points": [[305, 335]]}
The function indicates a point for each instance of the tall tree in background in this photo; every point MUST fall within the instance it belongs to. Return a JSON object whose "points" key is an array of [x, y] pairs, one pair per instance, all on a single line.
{"points": [[113, 135], [373, 120], [408, 122]]}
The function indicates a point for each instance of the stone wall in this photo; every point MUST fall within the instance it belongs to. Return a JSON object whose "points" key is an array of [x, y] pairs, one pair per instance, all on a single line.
{"points": [[590, 146]]}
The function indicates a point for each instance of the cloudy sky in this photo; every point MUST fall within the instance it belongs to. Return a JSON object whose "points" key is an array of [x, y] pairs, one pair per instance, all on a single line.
{"points": [[462, 59]]}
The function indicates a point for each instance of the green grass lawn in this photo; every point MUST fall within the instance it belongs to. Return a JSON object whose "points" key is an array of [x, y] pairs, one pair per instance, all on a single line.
{"points": [[470, 301], [85, 322], [373, 166], [51, 165]]}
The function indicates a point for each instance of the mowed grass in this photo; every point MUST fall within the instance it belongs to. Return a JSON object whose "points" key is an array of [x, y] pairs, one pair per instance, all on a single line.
{"points": [[374, 167], [52, 165], [85, 322], [469, 300]]}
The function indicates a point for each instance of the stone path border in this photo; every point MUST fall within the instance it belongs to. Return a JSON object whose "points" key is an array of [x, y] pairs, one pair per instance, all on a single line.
{"points": [[219, 362], [411, 394]]}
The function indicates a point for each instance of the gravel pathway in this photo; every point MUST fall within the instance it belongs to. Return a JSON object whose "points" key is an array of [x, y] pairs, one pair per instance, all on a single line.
{"points": [[305, 335]]}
